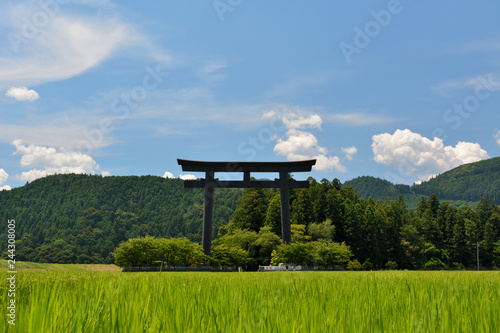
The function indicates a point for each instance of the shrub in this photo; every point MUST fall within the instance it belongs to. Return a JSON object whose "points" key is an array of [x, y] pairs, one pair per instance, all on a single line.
{"points": [[435, 263], [367, 265], [354, 265], [391, 265]]}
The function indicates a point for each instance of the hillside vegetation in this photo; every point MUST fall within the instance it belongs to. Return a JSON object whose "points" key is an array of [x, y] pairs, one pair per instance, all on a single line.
{"points": [[82, 218], [469, 182], [461, 186]]}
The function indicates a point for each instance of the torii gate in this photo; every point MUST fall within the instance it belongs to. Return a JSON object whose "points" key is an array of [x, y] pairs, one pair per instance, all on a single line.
{"points": [[210, 182]]}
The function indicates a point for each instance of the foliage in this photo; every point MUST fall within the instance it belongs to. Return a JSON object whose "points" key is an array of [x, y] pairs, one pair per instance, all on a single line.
{"points": [[82, 218], [469, 182], [324, 230], [391, 265], [435, 263], [324, 253], [354, 265], [224, 255], [299, 233], [149, 250], [367, 265]]}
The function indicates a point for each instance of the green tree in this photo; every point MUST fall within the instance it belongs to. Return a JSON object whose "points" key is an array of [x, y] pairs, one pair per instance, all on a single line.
{"points": [[251, 211], [324, 230], [328, 253], [273, 214], [266, 242]]}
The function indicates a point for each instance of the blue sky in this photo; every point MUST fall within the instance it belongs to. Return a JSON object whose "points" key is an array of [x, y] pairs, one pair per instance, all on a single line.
{"points": [[401, 90]]}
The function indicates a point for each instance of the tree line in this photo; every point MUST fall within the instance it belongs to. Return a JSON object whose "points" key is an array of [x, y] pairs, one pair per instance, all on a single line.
{"points": [[83, 219]]}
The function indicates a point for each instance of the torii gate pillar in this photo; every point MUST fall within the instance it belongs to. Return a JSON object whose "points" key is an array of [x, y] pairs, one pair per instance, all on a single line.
{"points": [[210, 182]]}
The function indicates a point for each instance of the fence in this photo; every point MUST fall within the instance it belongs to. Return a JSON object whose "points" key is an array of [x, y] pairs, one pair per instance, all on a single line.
{"points": [[179, 269]]}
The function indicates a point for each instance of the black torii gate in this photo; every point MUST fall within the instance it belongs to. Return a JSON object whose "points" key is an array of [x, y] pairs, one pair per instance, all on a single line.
{"points": [[210, 182]]}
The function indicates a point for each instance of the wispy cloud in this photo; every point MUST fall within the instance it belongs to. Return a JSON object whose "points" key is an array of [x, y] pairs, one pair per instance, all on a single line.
{"points": [[489, 81], [359, 118], [65, 45], [211, 71]]}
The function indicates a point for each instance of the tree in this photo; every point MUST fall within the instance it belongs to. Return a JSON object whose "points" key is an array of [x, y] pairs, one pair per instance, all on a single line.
{"points": [[295, 253], [273, 214], [329, 254], [229, 256], [263, 246], [302, 207], [298, 233], [324, 230], [251, 211]]}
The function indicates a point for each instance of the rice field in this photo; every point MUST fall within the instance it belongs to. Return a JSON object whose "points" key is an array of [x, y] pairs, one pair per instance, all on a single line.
{"points": [[390, 301]]}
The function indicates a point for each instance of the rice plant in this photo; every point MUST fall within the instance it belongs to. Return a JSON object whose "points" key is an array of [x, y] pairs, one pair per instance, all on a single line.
{"points": [[390, 301]]}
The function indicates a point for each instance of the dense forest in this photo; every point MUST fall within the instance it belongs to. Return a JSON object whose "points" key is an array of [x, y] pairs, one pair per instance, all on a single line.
{"points": [[82, 219], [465, 185], [469, 182], [435, 234]]}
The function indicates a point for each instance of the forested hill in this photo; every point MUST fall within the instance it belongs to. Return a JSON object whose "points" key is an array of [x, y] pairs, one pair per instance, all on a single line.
{"points": [[469, 182], [82, 218], [466, 183], [376, 188]]}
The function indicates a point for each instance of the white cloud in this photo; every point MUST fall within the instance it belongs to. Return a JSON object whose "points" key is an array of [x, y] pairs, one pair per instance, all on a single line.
{"points": [[497, 136], [187, 177], [64, 46], [349, 152], [3, 178], [210, 71], [168, 175], [44, 161], [301, 145], [359, 118], [22, 94], [487, 82], [416, 156]]}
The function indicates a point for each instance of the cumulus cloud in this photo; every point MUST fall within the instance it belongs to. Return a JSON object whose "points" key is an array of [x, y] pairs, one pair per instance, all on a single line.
{"points": [[168, 175], [22, 94], [44, 161], [298, 144], [187, 177], [416, 156], [3, 178], [349, 152]]}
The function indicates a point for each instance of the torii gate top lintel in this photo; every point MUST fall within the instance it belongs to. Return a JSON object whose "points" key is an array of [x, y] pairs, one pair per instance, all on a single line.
{"points": [[294, 166], [210, 182]]}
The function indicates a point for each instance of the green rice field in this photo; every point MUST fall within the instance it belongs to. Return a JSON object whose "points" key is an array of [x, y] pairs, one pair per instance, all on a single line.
{"points": [[385, 301]]}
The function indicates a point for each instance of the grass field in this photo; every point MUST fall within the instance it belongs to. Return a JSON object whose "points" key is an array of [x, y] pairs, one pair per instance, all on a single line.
{"points": [[79, 300]]}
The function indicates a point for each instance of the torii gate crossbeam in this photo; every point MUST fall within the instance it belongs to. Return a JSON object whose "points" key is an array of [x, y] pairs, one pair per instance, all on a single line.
{"points": [[210, 182]]}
